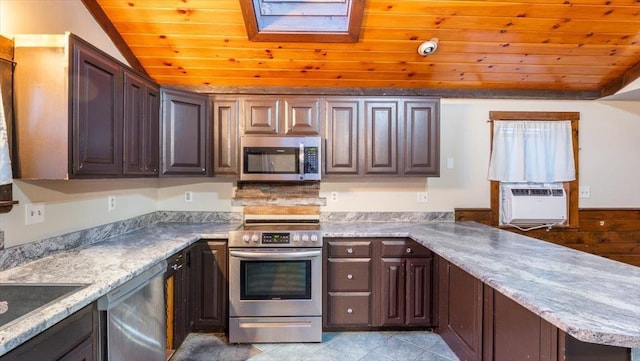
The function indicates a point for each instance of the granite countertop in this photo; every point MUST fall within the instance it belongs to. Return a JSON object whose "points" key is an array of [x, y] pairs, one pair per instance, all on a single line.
{"points": [[589, 297]]}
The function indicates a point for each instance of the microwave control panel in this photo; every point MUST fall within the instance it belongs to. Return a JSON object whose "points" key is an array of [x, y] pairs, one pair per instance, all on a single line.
{"points": [[311, 159]]}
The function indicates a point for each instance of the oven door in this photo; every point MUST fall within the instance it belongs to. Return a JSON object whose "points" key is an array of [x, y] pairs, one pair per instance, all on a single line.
{"points": [[275, 282]]}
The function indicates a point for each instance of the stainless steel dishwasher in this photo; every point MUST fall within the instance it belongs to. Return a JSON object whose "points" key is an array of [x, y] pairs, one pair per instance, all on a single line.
{"points": [[133, 319]]}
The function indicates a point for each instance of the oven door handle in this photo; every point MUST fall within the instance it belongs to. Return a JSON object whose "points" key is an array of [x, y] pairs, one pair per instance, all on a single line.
{"points": [[275, 255]]}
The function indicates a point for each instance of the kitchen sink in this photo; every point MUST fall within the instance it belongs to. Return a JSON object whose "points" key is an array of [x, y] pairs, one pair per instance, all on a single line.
{"points": [[17, 300]]}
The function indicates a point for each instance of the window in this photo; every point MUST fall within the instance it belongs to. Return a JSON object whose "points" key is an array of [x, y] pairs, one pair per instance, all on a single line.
{"points": [[533, 166]]}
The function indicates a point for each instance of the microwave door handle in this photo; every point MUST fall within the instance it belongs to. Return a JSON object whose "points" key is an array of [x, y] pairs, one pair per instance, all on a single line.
{"points": [[301, 161], [275, 255]]}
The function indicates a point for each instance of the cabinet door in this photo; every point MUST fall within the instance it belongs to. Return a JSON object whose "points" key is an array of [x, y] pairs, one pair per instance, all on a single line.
{"points": [[261, 115], [511, 332], [342, 132], [184, 133], [140, 136], [96, 116], [381, 137], [209, 282], [152, 130], [421, 137], [392, 291], [460, 311], [419, 291], [226, 134], [302, 116]]}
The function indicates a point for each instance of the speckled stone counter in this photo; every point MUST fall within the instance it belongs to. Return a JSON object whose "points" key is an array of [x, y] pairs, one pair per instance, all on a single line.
{"points": [[102, 266], [590, 298]]}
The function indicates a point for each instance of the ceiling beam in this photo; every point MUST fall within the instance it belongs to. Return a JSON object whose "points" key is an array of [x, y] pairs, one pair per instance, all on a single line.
{"points": [[619, 83], [101, 18]]}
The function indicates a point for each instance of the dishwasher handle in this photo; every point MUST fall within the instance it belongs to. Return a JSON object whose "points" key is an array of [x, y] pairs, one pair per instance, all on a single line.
{"points": [[121, 293]]}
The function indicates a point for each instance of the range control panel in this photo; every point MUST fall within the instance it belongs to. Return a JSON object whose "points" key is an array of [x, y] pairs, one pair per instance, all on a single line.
{"points": [[256, 238]]}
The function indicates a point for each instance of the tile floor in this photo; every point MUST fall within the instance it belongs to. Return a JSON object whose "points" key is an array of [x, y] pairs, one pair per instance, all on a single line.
{"points": [[335, 346]]}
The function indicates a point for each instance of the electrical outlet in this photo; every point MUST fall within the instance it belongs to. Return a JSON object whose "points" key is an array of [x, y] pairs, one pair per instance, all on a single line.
{"points": [[34, 213], [422, 197], [188, 196], [111, 203], [584, 192], [334, 196]]}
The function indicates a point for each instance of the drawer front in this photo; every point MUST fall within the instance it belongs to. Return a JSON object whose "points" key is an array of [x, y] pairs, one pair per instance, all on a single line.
{"points": [[349, 249], [348, 309], [352, 275], [404, 248]]}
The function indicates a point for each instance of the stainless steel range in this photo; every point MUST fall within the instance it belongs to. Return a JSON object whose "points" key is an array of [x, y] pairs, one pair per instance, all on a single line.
{"points": [[275, 283]]}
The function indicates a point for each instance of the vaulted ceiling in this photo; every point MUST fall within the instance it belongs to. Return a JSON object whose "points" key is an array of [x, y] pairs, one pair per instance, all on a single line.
{"points": [[579, 49]]}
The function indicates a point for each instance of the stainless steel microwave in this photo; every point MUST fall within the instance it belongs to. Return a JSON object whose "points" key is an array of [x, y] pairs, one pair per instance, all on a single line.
{"points": [[267, 158]]}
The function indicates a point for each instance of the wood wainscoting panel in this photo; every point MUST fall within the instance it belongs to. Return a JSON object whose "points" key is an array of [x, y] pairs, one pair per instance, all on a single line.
{"points": [[608, 232]]}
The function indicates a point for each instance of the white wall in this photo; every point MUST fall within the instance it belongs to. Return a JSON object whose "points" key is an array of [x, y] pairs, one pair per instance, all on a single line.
{"points": [[609, 154], [54, 17]]}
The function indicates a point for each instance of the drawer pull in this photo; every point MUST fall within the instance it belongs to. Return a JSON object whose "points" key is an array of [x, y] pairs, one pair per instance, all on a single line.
{"points": [[349, 276], [409, 250], [349, 310], [349, 250]]}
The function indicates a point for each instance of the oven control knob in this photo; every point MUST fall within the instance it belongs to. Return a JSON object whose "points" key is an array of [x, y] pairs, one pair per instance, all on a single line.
{"points": [[296, 237], [305, 238], [255, 238], [314, 238], [246, 238]]}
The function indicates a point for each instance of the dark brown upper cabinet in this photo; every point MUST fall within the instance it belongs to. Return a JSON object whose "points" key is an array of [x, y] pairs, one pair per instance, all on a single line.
{"points": [[185, 137], [384, 136], [226, 136], [343, 136], [75, 109], [96, 114], [272, 115], [141, 126]]}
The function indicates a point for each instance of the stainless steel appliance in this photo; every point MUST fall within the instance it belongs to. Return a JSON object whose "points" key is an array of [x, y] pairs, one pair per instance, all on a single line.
{"points": [[280, 158], [133, 319], [275, 283]]}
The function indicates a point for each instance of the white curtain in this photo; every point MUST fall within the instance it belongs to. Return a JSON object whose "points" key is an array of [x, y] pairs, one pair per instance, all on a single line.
{"points": [[5, 161], [532, 151]]}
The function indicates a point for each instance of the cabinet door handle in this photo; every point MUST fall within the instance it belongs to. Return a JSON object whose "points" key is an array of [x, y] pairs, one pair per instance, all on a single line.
{"points": [[409, 250], [349, 250], [349, 310], [349, 276]]}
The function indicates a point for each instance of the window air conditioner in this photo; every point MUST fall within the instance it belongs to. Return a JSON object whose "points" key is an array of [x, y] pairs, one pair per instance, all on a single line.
{"points": [[524, 204]]}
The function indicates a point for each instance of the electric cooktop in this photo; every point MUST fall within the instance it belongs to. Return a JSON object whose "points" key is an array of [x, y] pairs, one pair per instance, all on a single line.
{"points": [[17, 300]]}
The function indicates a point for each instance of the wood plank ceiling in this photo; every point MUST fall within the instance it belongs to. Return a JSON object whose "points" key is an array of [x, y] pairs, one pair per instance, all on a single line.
{"points": [[526, 48]]}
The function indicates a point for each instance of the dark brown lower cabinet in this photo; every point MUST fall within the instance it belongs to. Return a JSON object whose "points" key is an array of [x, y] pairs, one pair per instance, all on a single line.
{"points": [[480, 323], [209, 285], [460, 311], [72, 339], [376, 283]]}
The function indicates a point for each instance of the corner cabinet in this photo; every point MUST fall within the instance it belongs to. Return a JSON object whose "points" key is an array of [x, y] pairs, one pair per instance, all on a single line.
{"points": [[382, 136], [209, 285], [185, 138], [88, 102]]}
